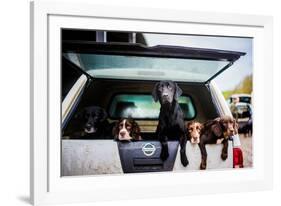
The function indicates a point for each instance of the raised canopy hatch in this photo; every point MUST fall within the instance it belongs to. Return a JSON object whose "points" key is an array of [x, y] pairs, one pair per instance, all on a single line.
{"points": [[136, 61]]}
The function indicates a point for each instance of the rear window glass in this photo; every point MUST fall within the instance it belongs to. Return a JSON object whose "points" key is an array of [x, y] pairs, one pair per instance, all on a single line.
{"points": [[143, 107], [145, 67], [243, 99]]}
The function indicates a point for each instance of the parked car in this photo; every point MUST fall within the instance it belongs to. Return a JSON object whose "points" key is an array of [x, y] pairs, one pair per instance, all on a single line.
{"points": [[245, 98], [244, 110], [119, 77]]}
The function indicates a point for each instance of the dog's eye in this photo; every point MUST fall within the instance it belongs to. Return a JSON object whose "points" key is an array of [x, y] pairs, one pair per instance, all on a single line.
{"points": [[169, 87], [128, 127]]}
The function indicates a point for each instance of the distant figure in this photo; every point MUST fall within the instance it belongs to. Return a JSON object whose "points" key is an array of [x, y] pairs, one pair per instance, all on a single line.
{"points": [[247, 129], [234, 108]]}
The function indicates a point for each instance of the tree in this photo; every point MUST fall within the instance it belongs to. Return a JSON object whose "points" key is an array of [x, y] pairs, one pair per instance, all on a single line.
{"points": [[245, 86]]}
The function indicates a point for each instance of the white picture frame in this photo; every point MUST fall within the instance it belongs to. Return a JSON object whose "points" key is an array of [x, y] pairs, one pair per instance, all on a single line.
{"points": [[47, 186]]}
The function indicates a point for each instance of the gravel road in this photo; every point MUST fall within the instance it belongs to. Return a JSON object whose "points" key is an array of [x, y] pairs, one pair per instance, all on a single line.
{"points": [[247, 149]]}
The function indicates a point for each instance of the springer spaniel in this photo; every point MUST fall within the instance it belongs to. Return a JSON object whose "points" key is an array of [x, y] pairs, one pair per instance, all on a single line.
{"points": [[126, 129]]}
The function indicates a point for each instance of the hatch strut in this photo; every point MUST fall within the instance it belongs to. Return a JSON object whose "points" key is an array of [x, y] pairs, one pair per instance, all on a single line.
{"points": [[220, 71]]}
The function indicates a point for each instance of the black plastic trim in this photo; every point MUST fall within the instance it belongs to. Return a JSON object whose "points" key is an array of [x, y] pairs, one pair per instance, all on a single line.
{"points": [[137, 49]]}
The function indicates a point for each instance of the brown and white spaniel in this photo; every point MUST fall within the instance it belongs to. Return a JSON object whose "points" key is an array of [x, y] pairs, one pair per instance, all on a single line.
{"points": [[126, 129]]}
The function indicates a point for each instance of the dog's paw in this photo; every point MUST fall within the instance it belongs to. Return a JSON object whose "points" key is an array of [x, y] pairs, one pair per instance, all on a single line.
{"points": [[184, 160], [224, 155], [219, 141], [164, 155], [203, 166]]}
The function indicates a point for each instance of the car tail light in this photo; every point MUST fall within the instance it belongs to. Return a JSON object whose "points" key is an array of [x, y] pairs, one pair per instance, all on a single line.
{"points": [[237, 158]]}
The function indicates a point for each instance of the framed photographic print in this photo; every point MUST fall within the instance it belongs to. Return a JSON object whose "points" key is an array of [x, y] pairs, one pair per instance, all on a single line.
{"points": [[170, 103]]}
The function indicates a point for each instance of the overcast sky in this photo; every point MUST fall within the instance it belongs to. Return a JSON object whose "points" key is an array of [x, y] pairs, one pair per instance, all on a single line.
{"points": [[233, 75]]}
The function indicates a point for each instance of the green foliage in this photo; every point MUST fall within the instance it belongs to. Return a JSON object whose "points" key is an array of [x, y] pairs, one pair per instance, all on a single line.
{"points": [[245, 86], [227, 93]]}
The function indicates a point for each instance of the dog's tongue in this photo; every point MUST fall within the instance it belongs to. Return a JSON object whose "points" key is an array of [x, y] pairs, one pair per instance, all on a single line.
{"points": [[92, 130]]}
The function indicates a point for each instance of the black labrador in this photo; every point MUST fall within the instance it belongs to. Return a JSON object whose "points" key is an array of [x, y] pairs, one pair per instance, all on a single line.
{"points": [[171, 118], [217, 131], [92, 123]]}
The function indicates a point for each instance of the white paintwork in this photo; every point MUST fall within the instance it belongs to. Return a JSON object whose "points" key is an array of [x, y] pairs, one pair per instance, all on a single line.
{"points": [[47, 18], [90, 157], [219, 99], [214, 160], [94, 157], [72, 96]]}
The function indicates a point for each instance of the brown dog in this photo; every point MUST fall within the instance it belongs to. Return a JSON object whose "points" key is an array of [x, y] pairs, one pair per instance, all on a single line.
{"points": [[194, 131], [126, 130], [217, 131]]}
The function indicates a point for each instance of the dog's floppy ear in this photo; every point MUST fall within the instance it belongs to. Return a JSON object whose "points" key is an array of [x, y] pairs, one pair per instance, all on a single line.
{"points": [[103, 114], [136, 131], [178, 91], [188, 124], [115, 131], [235, 126], [187, 129], [201, 127], [155, 93], [216, 128]]}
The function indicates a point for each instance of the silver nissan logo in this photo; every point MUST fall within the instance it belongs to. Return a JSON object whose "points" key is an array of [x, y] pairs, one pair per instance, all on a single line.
{"points": [[148, 149]]}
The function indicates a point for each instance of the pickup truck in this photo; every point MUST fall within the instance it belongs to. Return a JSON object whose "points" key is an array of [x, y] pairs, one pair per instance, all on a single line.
{"points": [[120, 77]]}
